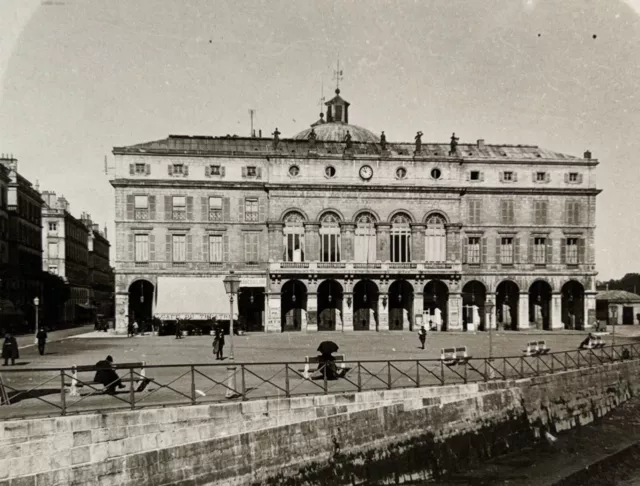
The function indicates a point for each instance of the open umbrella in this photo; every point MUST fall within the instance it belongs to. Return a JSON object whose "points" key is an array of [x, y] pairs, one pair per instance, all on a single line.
{"points": [[327, 347]]}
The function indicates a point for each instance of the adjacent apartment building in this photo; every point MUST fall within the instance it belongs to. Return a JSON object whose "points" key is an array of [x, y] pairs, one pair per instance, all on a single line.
{"points": [[336, 228]]}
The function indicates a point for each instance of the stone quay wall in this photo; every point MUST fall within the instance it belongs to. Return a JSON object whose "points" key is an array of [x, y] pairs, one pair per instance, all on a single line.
{"points": [[357, 438]]}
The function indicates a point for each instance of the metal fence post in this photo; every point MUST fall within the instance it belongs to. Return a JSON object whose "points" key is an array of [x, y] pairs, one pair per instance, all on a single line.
{"points": [[486, 370], [63, 397], [193, 385], [324, 374], [359, 377], [442, 372], [389, 375], [132, 396], [417, 373], [286, 380], [465, 372], [244, 387]]}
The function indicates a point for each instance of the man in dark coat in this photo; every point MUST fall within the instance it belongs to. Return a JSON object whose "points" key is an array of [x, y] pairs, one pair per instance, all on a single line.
{"points": [[107, 376], [42, 340], [218, 342], [422, 335], [10, 349]]}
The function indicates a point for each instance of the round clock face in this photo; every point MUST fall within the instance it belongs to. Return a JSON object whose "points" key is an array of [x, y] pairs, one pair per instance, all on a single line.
{"points": [[366, 172]]}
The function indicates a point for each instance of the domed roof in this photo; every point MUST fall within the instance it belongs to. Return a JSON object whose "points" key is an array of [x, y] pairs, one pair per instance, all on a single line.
{"points": [[336, 131]]}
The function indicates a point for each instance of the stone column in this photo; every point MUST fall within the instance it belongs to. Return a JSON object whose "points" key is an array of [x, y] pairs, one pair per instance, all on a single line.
{"points": [[382, 241], [274, 312], [383, 312], [590, 305], [347, 233], [454, 320], [523, 311], [276, 248], [312, 242], [418, 309], [312, 311], [417, 242], [490, 318], [122, 312], [556, 311], [347, 312], [453, 242]]}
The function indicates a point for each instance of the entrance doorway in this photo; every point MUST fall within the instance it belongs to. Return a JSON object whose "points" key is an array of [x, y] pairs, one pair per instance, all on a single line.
{"points": [[141, 294], [251, 309]]}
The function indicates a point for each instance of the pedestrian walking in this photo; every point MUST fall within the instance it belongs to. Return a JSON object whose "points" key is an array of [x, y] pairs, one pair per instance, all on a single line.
{"points": [[10, 349], [42, 340], [130, 329], [218, 343], [422, 335], [178, 329]]}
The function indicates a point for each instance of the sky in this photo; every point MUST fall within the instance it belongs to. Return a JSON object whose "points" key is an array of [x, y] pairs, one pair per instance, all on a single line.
{"points": [[78, 77]]}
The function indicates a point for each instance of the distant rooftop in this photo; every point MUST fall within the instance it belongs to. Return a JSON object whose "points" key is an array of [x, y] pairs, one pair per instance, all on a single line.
{"points": [[618, 296]]}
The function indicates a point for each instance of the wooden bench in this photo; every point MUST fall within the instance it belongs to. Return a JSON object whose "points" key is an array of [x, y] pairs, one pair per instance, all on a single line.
{"points": [[454, 356], [536, 348], [140, 381], [309, 360]]}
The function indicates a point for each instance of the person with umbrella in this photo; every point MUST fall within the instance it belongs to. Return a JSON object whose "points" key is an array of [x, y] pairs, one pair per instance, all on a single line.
{"points": [[10, 349], [326, 360]]}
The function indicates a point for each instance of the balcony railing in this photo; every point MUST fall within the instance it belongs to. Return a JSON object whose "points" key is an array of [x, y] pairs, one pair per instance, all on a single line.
{"points": [[141, 214], [215, 215], [372, 266]]}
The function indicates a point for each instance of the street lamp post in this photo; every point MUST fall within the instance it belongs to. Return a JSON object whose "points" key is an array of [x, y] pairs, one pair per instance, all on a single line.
{"points": [[489, 309], [36, 303], [231, 286]]}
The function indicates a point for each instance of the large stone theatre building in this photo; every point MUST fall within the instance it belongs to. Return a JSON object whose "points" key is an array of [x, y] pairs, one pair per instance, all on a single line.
{"points": [[338, 229]]}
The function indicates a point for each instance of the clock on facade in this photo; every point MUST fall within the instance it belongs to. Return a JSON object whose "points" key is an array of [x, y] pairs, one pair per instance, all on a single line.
{"points": [[366, 172]]}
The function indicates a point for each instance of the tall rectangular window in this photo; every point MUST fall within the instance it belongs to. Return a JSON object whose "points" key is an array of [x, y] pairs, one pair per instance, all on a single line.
{"points": [[540, 212], [215, 208], [506, 251], [141, 205], [251, 210], [215, 248], [142, 248], [294, 245], [572, 209], [400, 245], [473, 250], [53, 250], [572, 251], [140, 169], [251, 247], [474, 211], [506, 211], [330, 247], [179, 208], [539, 251], [365, 243], [53, 227], [179, 245]]}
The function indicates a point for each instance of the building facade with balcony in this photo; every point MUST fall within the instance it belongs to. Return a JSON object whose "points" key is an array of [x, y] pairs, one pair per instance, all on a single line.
{"points": [[22, 280], [100, 278], [338, 229]]}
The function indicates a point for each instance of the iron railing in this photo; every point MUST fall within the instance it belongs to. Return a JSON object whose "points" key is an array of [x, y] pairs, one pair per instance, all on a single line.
{"points": [[47, 391]]}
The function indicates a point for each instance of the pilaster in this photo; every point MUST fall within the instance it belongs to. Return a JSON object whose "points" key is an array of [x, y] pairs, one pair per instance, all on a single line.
{"points": [[383, 311], [122, 312], [347, 231], [523, 311], [556, 311], [418, 311], [590, 307], [417, 242], [454, 321], [312, 312], [490, 317], [274, 319], [347, 312], [276, 248], [382, 240], [312, 242], [453, 242]]}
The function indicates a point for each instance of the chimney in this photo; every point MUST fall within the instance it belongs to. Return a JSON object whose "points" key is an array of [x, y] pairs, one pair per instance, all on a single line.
{"points": [[481, 143], [587, 155], [260, 133], [105, 231], [63, 203], [96, 227]]}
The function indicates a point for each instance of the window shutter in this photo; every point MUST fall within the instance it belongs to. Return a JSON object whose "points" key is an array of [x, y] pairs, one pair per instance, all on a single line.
{"points": [[563, 251], [547, 176], [168, 247], [152, 208], [463, 257], [244, 172], [147, 169], [226, 209], [222, 171], [130, 206], [205, 248], [531, 245], [476, 216], [189, 248], [225, 248], [501, 176], [498, 247], [130, 247], [578, 213], [568, 213], [207, 171], [246, 246], [566, 177], [468, 175], [168, 207], [504, 214], [241, 212], [483, 243], [549, 252], [533, 177], [152, 247], [512, 218], [189, 208], [262, 202], [516, 250], [579, 178], [581, 250], [514, 177], [204, 207], [481, 176], [132, 169], [186, 170], [259, 172], [543, 212], [170, 169]]}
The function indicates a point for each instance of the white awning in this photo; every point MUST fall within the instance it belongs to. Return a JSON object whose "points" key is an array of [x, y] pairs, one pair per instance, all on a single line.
{"points": [[199, 298]]}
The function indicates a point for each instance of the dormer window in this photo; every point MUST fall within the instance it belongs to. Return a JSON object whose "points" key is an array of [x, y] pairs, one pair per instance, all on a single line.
{"points": [[337, 109], [178, 170]]}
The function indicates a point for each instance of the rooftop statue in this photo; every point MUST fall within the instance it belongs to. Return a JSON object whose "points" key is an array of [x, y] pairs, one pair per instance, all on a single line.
{"points": [[383, 141], [454, 144], [276, 138], [418, 139], [347, 140], [312, 136]]}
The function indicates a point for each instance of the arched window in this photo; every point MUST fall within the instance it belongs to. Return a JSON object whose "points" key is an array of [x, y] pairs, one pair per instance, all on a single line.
{"points": [[365, 241], [400, 238], [435, 239], [330, 238], [293, 237]]}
